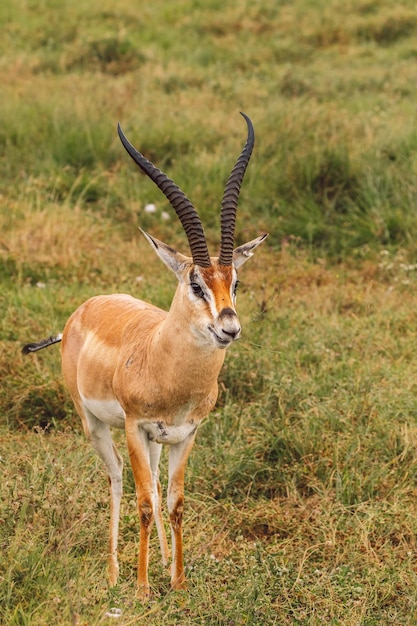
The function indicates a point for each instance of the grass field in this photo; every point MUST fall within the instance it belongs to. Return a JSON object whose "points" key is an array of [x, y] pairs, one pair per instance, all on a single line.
{"points": [[301, 491]]}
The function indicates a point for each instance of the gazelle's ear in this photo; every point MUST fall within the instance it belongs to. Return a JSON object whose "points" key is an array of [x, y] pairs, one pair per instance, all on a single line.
{"points": [[244, 252], [174, 260]]}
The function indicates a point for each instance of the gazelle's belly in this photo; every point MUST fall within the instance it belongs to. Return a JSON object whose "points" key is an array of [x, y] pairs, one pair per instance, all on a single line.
{"points": [[110, 412], [107, 411]]}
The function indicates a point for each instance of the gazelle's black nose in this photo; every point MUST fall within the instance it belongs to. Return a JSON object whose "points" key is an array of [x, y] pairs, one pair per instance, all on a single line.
{"points": [[229, 323]]}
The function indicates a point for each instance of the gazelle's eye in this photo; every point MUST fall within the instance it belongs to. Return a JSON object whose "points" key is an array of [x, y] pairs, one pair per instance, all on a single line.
{"points": [[197, 290]]}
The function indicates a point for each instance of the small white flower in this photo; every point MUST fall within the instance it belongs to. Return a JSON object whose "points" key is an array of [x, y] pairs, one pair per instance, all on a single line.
{"points": [[114, 612], [150, 208], [165, 215], [41, 285]]}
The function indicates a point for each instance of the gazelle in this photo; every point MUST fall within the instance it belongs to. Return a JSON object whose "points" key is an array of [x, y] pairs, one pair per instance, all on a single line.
{"points": [[128, 364]]}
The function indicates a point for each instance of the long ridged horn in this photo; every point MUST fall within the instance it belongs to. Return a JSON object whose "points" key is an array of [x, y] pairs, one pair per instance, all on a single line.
{"points": [[181, 204], [231, 196]]}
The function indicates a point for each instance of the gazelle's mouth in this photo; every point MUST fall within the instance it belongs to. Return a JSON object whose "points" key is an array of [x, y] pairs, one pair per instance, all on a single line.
{"points": [[223, 342]]}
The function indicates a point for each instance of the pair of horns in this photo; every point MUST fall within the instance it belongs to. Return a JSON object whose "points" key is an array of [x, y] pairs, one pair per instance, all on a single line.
{"points": [[185, 210]]}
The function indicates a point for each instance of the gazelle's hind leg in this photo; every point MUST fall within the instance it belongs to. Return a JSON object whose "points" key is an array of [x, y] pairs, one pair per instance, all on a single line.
{"points": [[100, 437], [154, 456]]}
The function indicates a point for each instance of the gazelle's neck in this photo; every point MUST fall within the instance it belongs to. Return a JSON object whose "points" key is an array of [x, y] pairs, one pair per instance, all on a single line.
{"points": [[190, 350]]}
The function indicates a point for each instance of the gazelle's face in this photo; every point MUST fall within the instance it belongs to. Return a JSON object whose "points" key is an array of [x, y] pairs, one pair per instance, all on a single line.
{"points": [[212, 300], [206, 296]]}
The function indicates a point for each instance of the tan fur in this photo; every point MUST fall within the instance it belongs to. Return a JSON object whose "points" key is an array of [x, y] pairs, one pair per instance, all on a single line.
{"points": [[115, 347]]}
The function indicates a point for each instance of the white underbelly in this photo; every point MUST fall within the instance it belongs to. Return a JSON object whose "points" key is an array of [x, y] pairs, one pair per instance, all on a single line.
{"points": [[108, 411]]}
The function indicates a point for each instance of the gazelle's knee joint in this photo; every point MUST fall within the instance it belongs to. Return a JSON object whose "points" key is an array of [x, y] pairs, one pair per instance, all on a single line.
{"points": [[176, 514], [146, 514]]}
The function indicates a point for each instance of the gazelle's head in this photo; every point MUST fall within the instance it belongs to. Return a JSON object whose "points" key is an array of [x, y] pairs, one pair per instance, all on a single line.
{"points": [[207, 285]]}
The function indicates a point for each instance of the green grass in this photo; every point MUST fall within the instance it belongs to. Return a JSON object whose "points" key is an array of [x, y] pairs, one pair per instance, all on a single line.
{"points": [[301, 489]]}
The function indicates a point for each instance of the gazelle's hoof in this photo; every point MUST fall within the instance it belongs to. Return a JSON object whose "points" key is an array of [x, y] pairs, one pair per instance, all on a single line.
{"points": [[143, 593], [113, 571], [179, 583]]}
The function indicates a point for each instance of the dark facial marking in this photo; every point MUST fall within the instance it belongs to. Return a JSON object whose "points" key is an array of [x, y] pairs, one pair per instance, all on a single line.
{"points": [[227, 312]]}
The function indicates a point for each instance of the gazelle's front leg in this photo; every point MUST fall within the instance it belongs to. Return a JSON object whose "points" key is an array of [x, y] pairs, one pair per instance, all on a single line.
{"points": [[178, 456], [138, 446]]}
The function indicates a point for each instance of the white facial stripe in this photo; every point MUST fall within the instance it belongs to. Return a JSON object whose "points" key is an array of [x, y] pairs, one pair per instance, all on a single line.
{"points": [[233, 286]]}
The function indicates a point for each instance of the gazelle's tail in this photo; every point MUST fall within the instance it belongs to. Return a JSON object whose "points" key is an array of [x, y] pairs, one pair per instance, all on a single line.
{"points": [[43, 343]]}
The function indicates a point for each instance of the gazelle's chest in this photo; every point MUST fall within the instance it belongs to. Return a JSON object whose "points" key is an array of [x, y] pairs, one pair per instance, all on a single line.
{"points": [[169, 417]]}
